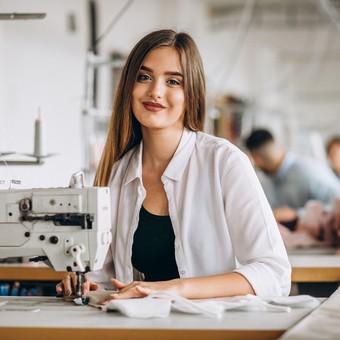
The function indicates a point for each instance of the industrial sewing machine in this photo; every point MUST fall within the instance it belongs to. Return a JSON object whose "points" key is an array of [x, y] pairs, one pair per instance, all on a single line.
{"points": [[70, 227]]}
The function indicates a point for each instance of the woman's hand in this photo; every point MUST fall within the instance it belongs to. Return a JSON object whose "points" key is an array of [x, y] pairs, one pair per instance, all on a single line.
{"points": [[69, 282], [139, 289]]}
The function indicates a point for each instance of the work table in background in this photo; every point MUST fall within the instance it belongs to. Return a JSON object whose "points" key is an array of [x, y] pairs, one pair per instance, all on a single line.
{"points": [[315, 265], [308, 265]]}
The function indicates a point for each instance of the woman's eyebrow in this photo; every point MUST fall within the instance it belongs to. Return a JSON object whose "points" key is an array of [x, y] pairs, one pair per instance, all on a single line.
{"points": [[171, 73]]}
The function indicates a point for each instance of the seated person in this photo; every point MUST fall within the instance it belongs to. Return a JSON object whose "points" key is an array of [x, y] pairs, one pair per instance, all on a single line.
{"points": [[319, 226], [290, 183]]}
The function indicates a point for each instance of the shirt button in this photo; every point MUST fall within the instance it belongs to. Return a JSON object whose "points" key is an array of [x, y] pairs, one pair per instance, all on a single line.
{"points": [[183, 272]]}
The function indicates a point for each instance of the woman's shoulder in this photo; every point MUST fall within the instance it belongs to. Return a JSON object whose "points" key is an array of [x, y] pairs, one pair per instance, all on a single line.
{"points": [[206, 141], [220, 152]]}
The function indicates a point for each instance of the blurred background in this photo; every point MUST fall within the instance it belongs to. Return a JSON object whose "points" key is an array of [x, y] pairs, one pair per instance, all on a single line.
{"points": [[268, 63]]}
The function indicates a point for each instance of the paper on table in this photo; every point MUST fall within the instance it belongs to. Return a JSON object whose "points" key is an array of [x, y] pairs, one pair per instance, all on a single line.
{"points": [[322, 323]]}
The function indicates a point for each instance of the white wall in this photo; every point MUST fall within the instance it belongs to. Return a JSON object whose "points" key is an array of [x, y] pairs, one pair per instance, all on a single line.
{"points": [[42, 63]]}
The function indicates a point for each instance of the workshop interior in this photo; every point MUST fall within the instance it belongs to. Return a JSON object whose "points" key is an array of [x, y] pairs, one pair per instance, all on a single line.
{"points": [[268, 63]]}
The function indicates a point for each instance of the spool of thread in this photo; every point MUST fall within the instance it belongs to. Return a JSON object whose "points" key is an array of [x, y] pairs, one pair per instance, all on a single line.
{"points": [[39, 140]]}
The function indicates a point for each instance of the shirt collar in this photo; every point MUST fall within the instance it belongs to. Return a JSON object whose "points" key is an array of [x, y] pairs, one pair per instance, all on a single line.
{"points": [[176, 166], [181, 157], [134, 167]]}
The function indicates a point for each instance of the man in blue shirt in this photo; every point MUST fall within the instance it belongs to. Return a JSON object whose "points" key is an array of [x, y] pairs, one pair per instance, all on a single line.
{"points": [[290, 181], [295, 186]]}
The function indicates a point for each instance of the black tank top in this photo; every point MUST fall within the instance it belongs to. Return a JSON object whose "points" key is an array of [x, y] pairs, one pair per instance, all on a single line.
{"points": [[153, 249]]}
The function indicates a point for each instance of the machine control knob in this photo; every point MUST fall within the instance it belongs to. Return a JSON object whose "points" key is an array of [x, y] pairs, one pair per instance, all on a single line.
{"points": [[54, 239], [25, 205]]}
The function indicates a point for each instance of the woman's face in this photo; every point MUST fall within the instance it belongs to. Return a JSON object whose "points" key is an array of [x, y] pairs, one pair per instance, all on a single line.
{"points": [[158, 100]]}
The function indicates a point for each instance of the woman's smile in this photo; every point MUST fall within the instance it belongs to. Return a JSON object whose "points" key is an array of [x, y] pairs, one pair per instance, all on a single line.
{"points": [[154, 107]]}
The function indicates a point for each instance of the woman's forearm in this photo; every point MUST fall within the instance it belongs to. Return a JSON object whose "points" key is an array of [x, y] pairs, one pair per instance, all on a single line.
{"points": [[229, 284]]}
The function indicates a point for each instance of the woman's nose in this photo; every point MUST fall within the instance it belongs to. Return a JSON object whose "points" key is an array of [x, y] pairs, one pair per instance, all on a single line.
{"points": [[156, 90]]}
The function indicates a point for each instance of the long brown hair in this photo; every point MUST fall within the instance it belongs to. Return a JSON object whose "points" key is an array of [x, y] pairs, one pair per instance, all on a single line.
{"points": [[124, 131]]}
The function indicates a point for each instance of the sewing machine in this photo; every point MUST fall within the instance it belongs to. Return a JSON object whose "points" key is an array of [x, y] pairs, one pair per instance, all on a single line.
{"points": [[70, 227]]}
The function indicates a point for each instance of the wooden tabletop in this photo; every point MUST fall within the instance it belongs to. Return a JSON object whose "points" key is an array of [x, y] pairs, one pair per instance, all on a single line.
{"points": [[308, 265], [30, 271]]}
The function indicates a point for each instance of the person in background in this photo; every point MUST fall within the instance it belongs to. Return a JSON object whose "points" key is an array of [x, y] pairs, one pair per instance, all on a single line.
{"points": [[318, 227], [189, 215], [333, 153], [290, 182]]}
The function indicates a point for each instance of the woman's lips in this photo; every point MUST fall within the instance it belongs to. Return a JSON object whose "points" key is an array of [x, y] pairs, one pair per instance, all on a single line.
{"points": [[154, 107]]}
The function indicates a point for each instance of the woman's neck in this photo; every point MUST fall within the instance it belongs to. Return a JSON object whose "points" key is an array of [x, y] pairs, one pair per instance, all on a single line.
{"points": [[159, 147]]}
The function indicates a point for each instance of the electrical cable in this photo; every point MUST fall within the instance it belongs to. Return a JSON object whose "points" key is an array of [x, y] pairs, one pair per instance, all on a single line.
{"points": [[327, 7], [114, 21], [285, 78], [3, 160], [314, 61], [243, 29], [319, 57], [285, 73], [301, 74]]}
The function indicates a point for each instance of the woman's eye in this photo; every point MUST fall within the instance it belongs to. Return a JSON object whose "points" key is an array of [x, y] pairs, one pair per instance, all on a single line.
{"points": [[173, 82], [143, 77]]}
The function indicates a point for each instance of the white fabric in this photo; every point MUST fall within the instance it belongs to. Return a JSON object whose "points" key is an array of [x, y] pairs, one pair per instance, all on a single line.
{"points": [[141, 308], [299, 301], [220, 215], [160, 304]]}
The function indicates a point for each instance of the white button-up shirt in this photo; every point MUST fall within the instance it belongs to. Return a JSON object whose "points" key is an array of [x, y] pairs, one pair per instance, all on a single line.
{"points": [[220, 216]]}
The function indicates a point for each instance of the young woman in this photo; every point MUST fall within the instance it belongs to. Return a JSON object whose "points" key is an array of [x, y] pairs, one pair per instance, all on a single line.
{"points": [[188, 213]]}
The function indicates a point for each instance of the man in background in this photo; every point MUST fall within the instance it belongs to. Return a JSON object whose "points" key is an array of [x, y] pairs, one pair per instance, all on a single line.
{"points": [[290, 180], [304, 195]]}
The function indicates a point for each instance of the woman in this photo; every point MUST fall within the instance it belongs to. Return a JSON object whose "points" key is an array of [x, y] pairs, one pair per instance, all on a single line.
{"points": [[188, 213]]}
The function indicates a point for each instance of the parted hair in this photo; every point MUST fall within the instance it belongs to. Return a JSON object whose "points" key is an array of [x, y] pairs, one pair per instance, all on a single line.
{"points": [[124, 131]]}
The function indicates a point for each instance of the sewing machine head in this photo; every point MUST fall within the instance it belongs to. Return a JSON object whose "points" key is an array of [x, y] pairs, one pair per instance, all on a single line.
{"points": [[70, 227]]}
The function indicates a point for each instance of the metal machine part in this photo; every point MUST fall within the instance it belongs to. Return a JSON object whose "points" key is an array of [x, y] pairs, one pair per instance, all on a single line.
{"points": [[81, 279], [70, 227]]}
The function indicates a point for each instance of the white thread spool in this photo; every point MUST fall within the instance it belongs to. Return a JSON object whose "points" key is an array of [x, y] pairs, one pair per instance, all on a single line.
{"points": [[39, 140]]}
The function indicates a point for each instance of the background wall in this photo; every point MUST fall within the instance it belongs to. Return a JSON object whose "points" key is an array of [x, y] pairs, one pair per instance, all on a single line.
{"points": [[287, 71]]}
